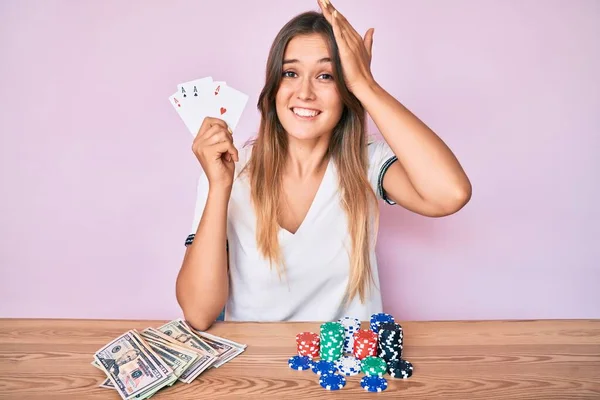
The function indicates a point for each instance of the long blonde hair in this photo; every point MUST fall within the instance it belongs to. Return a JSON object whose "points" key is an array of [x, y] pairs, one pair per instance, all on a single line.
{"points": [[347, 149]]}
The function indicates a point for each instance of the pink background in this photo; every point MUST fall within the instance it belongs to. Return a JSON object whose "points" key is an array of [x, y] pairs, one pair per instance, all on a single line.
{"points": [[98, 178]]}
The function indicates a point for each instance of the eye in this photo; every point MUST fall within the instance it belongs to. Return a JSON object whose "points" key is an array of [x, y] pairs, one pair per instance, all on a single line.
{"points": [[326, 77], [288, 74]]}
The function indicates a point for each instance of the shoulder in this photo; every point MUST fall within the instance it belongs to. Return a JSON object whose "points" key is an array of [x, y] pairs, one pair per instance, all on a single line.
{"points": [[378, 150]]}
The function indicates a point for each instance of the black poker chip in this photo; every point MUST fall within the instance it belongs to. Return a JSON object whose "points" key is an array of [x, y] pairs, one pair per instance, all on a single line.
{"points": [[400, 369], [390, 341]]}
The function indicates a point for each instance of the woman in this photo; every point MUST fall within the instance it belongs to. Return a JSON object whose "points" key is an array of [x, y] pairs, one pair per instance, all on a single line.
{"points": [[298, 206]]}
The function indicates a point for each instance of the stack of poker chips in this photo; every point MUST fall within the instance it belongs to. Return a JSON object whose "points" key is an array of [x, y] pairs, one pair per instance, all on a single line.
{"points": [[378, 319], [400, 369], [332, 381], [348, 366], [390, 341], [300, 363], [374, 366], [308, 344], [323, 367], [351, 326], [373, 383], [328, 377], [365, 344], [375, 352], [332, 341]]}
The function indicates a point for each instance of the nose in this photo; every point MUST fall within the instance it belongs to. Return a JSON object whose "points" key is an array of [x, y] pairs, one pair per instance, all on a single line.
{"points": [[305, 90]]}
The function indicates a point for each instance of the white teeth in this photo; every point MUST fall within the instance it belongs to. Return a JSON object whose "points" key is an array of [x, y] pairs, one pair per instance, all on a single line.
{"points": [[303, 112]]}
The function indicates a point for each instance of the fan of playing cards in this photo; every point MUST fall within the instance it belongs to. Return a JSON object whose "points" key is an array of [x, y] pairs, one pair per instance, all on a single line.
{"points": [[200, 98]]}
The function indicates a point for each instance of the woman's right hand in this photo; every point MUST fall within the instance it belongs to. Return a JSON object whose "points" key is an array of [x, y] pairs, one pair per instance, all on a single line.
{"points": [[213, 147]]}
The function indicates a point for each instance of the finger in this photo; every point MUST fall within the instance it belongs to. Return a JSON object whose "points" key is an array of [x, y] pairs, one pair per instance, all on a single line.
{"points": [[226, 148], [348, 37], [337, 29], [216, 134], [346, 27], [324, 5], [208, 122], [368, 41]]}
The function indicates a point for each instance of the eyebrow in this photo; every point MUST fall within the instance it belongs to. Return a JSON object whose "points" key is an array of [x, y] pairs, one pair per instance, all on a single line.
{"points": [[295, 60]]}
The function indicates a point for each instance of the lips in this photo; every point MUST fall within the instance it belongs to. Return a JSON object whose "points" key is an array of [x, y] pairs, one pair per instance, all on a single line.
{"points": [[305, 112]]}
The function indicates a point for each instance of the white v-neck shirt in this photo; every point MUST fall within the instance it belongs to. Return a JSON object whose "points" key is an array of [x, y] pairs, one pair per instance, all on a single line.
{"points": [[317, 256]]}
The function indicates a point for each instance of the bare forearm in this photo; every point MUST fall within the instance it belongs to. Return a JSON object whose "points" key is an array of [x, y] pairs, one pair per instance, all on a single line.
{"points": [[203, 283], [432, 168]]}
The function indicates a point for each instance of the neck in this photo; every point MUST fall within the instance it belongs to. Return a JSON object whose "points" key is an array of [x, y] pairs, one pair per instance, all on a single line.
{"points": [[306, 158]]}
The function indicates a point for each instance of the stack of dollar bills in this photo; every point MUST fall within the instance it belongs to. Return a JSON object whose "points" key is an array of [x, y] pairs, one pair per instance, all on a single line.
{"points": [[139, 364]]}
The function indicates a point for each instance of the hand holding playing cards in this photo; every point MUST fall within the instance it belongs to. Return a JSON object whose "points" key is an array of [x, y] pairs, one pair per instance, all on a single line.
{"points": [[213, 146], [355, 52]]}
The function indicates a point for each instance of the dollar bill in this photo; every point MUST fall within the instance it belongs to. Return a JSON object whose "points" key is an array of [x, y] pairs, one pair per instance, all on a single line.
{"points": [[183, 358], [107, 384], [132, 367], [176, 357], [207, 355], [226, 349], [139, 364]]}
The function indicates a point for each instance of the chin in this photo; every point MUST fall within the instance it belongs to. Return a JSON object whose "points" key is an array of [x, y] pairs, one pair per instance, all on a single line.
{"points": [[304, 134]]}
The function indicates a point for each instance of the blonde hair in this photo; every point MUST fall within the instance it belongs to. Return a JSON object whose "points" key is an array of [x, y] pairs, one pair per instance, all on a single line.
{"points": [[347, 149]]}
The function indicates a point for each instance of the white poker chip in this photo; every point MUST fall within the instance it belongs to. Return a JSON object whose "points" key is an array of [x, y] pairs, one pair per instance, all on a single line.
{"points": [[348, 366]]}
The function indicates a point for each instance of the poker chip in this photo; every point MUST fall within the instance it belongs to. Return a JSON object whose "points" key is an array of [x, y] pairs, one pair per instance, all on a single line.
{"points": [[348, 366], [308, 344], [332, 381], [351, 326], [401, 369], [374, 366], [378, 319], [390, 341], [374, 383], [365, 344], [324, 367], [300, 363], [332, 341]]}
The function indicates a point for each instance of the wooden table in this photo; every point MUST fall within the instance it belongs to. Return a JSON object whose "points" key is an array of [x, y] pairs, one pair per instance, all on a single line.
{"points": [[549, 359]]}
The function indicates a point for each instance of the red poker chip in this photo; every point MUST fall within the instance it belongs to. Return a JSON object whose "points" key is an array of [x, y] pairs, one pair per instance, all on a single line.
{"points": [[307, 338], [365, 343], [308, 344]]}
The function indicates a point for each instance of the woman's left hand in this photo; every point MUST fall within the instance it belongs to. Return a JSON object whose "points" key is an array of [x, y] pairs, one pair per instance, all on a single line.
{"points": [[355, 51]]}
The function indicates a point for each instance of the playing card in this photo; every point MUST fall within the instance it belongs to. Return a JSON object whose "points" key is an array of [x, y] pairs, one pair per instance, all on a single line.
{"points": [[194, 96], [193, 88], [201, 98], [176, 100], [225, 103]]}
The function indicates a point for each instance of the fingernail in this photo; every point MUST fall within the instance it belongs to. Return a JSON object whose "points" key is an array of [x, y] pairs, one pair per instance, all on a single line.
{"points": [[335, 13], [230, 131]]}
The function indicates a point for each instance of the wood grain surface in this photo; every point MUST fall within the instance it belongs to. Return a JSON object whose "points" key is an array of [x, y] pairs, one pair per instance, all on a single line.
{"points": [[547, 359]]}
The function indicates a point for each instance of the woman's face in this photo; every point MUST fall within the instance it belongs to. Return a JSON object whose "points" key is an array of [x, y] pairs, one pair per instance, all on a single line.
{"points": [[308, 102]]}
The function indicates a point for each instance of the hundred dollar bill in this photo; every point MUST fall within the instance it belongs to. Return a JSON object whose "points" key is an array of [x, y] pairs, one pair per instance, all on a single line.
{"points": [[133, 368], [207, 355]]}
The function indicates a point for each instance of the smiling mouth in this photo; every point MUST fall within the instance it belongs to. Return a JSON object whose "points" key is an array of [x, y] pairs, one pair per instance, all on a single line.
{"points": [[305, 113]]}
